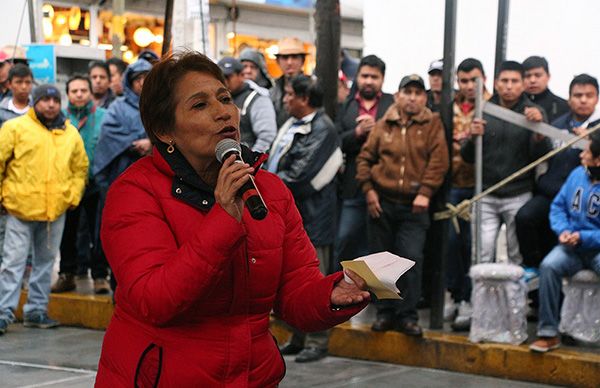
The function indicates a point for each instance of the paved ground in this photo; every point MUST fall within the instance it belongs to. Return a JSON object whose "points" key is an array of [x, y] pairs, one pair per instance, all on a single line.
{"points": [[68, 357]]}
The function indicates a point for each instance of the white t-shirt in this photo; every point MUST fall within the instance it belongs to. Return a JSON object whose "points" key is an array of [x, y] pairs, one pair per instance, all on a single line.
{"points": [[12, 107]]}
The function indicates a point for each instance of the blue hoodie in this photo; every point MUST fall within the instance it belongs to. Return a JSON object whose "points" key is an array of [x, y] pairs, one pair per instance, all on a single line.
{"points": [[576, 208], [122, 125]]}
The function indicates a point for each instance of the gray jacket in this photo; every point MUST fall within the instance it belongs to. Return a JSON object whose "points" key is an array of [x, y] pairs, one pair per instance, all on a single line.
{"points": [[5, 113], [257, 116]]}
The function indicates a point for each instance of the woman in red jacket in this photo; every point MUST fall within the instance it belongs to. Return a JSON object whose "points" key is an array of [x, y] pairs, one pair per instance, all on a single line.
{"points": [[198, 277]]}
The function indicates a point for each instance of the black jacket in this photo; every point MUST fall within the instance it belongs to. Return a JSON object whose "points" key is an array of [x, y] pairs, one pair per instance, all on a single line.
{"points": [[308, 167], [345, 124], [552, 104], [277, 92], [506, 149], [561, 165]]}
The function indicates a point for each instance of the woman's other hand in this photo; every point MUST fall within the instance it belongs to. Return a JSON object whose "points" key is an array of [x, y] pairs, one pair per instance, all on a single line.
{"points": [[345, 293], [232, 177]]}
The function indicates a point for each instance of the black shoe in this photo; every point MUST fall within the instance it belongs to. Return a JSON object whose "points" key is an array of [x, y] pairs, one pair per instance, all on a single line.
{"points": [[289, 349], [383, 323], [311, 354], [410, 328]]}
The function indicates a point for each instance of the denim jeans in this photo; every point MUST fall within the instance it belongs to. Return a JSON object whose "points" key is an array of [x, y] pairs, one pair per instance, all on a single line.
{"points": [[562, 261], [458, 258], [20, 235], [400, 231], [496, 211], [351, 240]]}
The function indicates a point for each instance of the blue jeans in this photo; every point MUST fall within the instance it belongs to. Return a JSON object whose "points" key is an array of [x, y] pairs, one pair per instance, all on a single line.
{"points": [[458, 257], [351, 241], [20, 235], [562, 261]]}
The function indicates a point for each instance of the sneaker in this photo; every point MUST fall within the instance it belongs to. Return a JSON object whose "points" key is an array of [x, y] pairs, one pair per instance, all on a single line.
{"points": [[3, 326], [544, 344], [39, 320], [450, 310], [462, 322], [65, 282], [531, 276], [101, 286]]}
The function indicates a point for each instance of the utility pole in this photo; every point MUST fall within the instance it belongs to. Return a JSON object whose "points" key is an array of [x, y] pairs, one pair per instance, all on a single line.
{"points": [[328, 27], [501, 34], [439, 229], [118, 27]]}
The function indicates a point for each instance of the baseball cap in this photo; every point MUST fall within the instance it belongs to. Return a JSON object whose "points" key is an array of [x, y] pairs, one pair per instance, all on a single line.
{"points": [[230, 65], [412, 79], [436, 66]]}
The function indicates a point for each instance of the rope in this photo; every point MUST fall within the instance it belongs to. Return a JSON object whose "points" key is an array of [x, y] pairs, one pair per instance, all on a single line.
{"points": [[462, 210]]}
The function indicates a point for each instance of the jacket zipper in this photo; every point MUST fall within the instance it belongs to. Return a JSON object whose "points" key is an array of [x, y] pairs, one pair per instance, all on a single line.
{"points": [[401, 181]]}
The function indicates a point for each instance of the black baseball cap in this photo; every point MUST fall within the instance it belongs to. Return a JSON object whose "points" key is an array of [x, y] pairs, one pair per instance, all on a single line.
{"points": [[412, 79], [230, 65]]}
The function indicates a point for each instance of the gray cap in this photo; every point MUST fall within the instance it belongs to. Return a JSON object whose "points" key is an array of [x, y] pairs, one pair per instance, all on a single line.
{"points": [[412, 79], [45, 91], [230, 65]]}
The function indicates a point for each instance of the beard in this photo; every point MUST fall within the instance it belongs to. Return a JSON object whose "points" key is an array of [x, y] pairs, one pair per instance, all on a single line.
{"points": [[367, 93]]}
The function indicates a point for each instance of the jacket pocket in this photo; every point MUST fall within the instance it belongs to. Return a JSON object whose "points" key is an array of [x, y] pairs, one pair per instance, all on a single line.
{"points": [[147, 372]]}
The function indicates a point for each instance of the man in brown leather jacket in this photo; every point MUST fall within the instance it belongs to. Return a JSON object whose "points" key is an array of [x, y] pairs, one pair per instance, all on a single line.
{"points": [[399, 168]]}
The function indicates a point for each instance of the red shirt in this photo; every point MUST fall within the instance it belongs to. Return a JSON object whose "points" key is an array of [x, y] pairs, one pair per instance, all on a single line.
{"points": [[363, 110]]}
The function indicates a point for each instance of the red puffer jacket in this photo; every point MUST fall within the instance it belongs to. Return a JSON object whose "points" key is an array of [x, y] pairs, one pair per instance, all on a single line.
{"points": [[195, 289]]}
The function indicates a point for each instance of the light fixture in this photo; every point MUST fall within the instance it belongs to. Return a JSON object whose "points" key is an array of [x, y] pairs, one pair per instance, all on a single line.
{"points": [[87, 21], [84, 42], [105, 46], [143, 36], [74, 18], [158, 38], [272, 51], [65, 39], [47, 27], [230, 35], [128, 56], [124, 48], [61, 19], [48, 11]]}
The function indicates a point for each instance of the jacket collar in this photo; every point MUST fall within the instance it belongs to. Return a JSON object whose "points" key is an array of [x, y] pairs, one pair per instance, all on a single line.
{"points": [[187, 186], [519, 104], [57, 123], [536, 97], [393, 116], [81, 111]]}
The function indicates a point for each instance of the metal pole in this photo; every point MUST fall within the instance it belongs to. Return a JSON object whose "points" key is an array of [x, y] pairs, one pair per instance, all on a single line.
{"points": [[166, 46], [478, 172], [439, 229], [501, 34], [32, 32]]}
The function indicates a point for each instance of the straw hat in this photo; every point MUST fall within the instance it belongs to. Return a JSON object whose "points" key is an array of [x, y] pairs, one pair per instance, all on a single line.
{"points": [[291, 46]]}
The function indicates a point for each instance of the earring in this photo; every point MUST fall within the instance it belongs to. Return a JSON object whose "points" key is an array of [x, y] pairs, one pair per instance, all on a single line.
{"points": [[171, 148]]}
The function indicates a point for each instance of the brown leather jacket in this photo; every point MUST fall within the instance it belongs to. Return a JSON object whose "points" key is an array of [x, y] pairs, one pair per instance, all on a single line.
{"points": [[399, 161]]}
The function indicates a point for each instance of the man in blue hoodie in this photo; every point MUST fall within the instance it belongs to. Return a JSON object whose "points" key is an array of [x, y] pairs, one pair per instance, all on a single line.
{"points": [[122, 139], [574, 217]]}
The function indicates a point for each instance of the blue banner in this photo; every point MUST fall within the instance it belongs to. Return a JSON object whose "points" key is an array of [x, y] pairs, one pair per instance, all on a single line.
{"points": [[291, 3], [42, 62]]}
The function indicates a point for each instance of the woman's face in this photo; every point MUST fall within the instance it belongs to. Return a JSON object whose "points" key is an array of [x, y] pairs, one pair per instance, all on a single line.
{"points": [[204, 115]]}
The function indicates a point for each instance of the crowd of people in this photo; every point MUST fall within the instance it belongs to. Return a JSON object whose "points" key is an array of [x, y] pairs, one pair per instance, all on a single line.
{"points": [[363, 182]]}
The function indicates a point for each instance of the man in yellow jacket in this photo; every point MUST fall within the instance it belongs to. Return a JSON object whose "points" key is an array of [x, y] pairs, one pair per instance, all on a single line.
{"points": [[43, 169]]}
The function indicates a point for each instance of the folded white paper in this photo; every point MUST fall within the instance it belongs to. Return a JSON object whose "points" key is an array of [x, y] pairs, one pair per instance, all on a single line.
{"points": [[380, 271]]}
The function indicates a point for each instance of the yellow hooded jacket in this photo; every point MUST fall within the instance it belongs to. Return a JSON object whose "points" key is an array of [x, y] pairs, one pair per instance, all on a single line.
{"points": [[42, 172]]}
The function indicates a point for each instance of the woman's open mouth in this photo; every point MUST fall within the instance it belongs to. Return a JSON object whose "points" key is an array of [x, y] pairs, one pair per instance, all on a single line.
{"points": [[229, 131]]}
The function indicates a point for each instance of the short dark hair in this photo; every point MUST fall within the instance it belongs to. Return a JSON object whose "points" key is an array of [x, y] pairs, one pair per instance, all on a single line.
{"points": [[19, 70], [78, 77], [100, 64], [510, 66], [469, 64], [120, 64], [373, 61], [535, 61], [158, 99], [595, 144], [305, 86], [583, 79]]}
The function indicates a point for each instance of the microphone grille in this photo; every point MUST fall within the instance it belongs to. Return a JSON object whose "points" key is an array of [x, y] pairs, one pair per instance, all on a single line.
{"points": [[225, 146]]}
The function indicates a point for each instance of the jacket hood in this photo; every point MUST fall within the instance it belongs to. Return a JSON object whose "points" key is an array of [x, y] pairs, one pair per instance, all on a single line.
{"points": [[137, 66], [259, 89]]}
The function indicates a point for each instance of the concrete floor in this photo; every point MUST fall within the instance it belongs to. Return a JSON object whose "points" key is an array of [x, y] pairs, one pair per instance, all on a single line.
{"points": [[67, 357]]}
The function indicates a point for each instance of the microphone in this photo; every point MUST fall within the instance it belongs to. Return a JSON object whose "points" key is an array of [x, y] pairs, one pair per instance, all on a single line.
{"points": [[250, 194]]}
